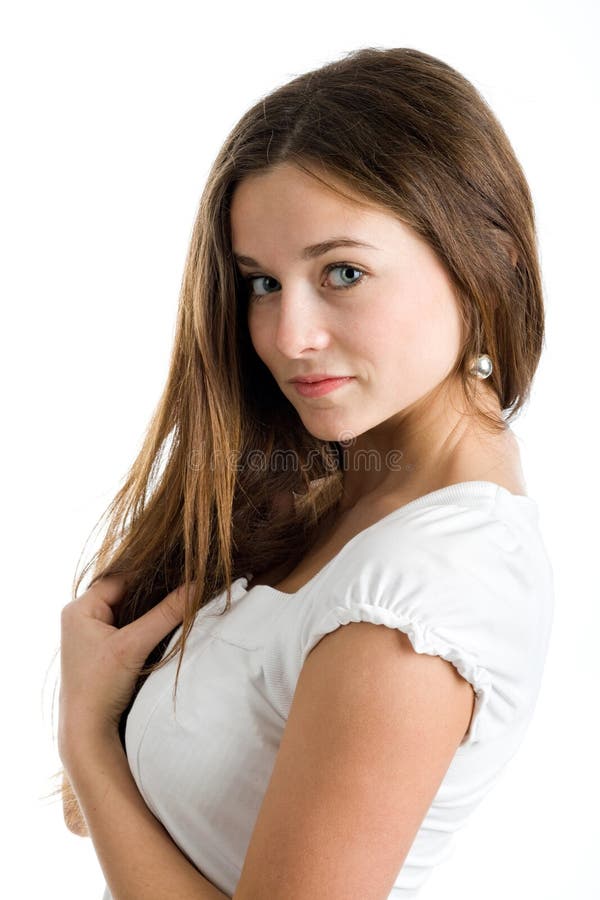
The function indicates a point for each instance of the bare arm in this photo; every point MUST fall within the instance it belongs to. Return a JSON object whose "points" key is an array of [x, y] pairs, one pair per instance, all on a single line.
{"points": [[99, 667], [372, 729], [136, 854]]}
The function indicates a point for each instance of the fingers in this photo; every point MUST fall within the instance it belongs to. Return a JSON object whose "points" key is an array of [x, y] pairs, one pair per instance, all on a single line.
{"points": [[72, 814], [146, 631], [109, 588], [106, 591]]}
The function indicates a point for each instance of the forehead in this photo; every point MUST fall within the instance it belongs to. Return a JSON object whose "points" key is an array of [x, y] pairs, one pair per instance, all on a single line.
{"points": [[286, 206], [292, 179]]}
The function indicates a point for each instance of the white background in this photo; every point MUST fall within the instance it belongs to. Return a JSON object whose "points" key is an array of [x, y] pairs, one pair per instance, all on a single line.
{"points": [[112, 114]]}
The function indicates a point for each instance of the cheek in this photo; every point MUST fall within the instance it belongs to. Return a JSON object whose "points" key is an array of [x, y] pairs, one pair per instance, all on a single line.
{"points": [[418, 334], [388, 329]]}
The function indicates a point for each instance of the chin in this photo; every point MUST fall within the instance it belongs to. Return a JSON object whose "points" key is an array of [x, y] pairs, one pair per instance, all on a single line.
{"points": [[332, 433], [326, 434]]}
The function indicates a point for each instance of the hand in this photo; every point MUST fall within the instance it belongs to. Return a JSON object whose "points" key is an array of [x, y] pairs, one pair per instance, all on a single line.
{"points": [[100, 663]]}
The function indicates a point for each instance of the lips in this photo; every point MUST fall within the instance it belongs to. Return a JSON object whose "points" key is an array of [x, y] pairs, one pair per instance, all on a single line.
{"points": [[312, 379], [322, 386]]}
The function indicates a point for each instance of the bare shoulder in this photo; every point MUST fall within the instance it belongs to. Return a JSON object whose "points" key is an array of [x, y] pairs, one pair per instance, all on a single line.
{"points": [[372, 730]]}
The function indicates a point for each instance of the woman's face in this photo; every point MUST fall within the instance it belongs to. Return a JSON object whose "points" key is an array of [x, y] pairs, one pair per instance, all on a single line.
{"points": [[384, 314]]}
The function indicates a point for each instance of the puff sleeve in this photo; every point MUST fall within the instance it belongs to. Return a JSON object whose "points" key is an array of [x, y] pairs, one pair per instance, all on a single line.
{"points": [[462, 583]]}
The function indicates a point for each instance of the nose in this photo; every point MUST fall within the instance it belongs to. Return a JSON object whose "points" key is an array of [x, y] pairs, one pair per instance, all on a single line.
{"points": [[301, 322]]}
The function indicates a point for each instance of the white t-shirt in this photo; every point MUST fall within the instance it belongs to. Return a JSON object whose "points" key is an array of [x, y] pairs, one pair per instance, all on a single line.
{"points": [[463, 571]]}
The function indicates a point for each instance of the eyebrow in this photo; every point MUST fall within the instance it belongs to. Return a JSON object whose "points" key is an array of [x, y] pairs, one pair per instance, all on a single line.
{"points": [[314, 250]]}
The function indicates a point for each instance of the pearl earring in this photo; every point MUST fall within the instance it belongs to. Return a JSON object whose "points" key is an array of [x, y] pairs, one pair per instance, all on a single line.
{"points": [[482, 367]]}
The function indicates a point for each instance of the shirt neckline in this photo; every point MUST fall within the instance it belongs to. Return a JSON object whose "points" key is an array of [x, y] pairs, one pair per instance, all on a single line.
{"points": [[446, 496]]}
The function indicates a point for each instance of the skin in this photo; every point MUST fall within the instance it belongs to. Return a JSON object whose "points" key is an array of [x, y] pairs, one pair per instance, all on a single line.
{"points": [[374, 725], [397, 330], [100, 664]]}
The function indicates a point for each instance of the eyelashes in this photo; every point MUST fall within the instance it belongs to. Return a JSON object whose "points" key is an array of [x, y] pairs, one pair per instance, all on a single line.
{"points": [[250, 279]]}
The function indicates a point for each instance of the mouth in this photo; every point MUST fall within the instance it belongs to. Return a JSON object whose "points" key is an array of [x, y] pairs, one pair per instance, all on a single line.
{"points": [[312, 379], [321, 386]]}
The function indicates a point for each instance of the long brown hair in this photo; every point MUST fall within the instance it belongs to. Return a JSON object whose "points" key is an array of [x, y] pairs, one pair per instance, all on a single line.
{"points": [[206, 501]]}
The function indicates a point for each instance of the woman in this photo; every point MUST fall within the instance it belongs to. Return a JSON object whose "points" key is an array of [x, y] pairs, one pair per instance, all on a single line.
{"points": [[365, 226]]}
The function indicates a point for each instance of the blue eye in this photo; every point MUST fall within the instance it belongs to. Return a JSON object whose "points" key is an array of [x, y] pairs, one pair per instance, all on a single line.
{"points": [[250, 280], [345, 267]]}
